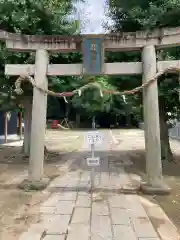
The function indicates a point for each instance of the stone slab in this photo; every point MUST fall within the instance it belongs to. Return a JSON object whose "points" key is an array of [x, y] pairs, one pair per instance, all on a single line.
{"points": [[48, 210], [83, 201], [30, 236], [104, 180], [68, 196], [119, 201], [124, 179], [120, 216], [73, 184], [51, 201], [101, 238], [100, 208], [122, 232], [143, 228], [65, 207], [101, 227], [128, 216], [151, 239], [81, 215], [135, 207], [113, 183], [55, 237], [57, 224], [78, 231], [85, 177], [165, 228], [84, 193]]}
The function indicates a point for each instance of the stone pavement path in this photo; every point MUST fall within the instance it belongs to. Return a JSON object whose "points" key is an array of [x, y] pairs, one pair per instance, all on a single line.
{"points": [[74, 212]]}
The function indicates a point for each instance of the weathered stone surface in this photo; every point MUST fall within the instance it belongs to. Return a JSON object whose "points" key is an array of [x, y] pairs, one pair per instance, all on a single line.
{"points": [[99, 237], [83, 201], [144, 228], [127, 216], [162, 189], [39, 108], [51, 201], [57, 224], [83, 185], [100, 208], [113, 183], [124, 179], [104, 180], [48, 210], [81, 215], [55, 237], [34, 185], [149, 239], [136, 210], [57, 184], [120, 216], [65, 207], [69, 179], [161, 38], [78, 231], [30, 236], [118, 201], [84, 193], [155, 183], [166, 229], [101, 227], [72, 184], [68, 196], [85, 177], [123, 232]]}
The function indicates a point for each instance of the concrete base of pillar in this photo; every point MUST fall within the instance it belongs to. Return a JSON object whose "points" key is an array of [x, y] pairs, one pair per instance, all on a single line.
{"points": [[160, 189], [34, 186]]}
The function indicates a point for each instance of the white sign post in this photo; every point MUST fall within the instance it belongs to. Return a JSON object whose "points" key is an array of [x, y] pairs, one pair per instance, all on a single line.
{"points": [[93, 138]]}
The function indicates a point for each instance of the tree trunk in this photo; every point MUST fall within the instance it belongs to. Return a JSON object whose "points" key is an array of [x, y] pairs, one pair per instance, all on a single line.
{"points": [[128, 119], [166, 153], [78, 120], [19, 132], [5, 127], [27, 125]]}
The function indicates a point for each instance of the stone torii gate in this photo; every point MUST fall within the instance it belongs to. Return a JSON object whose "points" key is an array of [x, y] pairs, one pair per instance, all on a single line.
{"points": [[147, 42]]}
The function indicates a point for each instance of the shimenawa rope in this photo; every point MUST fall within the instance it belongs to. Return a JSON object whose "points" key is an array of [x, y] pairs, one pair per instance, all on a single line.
{"points": [[96, 85]]}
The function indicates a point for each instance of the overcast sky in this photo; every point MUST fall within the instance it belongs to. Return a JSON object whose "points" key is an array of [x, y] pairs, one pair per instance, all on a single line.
{"points": [[93, 13]]}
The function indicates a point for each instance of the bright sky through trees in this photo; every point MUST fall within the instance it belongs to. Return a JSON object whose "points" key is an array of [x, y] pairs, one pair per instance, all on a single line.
{"points": [[92, 14]]}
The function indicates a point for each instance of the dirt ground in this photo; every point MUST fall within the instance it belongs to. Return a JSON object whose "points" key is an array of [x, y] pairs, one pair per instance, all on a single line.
{"points": [[18, 209]]}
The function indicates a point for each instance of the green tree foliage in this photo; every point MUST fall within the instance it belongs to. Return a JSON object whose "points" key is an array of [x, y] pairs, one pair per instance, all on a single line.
{"points": [[49, 17], [146, 15], [33, 17]]}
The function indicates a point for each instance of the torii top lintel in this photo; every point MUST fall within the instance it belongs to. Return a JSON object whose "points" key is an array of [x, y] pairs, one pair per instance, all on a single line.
{"points": [[125, 41]]}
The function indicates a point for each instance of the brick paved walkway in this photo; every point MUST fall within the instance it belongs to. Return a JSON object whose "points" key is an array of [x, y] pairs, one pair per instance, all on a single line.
{"points": [[74, 212]]}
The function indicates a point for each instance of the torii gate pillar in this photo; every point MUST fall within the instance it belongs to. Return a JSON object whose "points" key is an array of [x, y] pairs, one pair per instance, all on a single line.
{"points": [[155, 182], [38, 119]]}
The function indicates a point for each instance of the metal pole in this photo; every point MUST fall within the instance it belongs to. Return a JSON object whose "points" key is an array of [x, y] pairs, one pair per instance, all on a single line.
{"points": [[179, 84], [93, 155], [92, 169], [93, 123], [5, 127]]}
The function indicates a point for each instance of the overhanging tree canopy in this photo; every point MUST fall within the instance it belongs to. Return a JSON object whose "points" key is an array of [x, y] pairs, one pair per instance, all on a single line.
{"points": [[143, 15]]}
